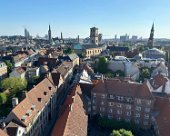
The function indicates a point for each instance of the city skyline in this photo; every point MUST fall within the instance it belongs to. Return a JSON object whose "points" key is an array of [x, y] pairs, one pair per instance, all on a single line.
{"points": [[76, 17]]}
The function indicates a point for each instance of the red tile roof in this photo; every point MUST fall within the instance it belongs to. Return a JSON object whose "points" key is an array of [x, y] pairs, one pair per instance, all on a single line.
{"points": [[73, 119], [41, 91], [122, 88], [2, 133]]}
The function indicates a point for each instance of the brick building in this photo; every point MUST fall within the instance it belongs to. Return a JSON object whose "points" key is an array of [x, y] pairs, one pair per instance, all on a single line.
{"points": [[123, 100]]}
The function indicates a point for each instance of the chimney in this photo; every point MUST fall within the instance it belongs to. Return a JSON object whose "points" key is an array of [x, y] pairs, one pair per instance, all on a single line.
{"points": [[24, 94], [14, 102], [3, 125]]}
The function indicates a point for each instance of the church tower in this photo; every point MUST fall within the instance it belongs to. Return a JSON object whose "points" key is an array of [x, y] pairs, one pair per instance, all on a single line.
{"points": [[49, 35], [151, 38], [94, 36]]}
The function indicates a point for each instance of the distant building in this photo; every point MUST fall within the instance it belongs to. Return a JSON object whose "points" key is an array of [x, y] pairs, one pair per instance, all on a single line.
{"points": [[134, 38], [100, 38], [49, 35], [18, 72], [124, 38], [91, 50], [94, 36], [153, 53], [3, 70]]}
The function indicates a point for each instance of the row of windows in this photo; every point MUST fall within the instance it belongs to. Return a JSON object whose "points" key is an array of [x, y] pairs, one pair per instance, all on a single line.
{"points": [[93, 51], [128, 119], [122, 98], [128, 107]]}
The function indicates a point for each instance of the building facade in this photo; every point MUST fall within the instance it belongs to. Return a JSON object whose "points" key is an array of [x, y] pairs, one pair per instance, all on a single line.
{"points": [[94, 36], [3, 70], [122, 100]]}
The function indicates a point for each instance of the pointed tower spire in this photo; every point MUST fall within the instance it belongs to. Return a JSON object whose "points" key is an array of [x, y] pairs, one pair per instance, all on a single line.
{"points": [[151, 38], [49, 35], [61, 36]]}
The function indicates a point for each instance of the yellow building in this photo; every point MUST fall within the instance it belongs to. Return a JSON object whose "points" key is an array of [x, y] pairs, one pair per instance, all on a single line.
{"points": [[92, 50]]}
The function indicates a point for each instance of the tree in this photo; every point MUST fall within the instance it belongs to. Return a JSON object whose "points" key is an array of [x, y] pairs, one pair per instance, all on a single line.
{"points": [[3, 98], [9, 66], [14, 84], [102, 65], [145, 73], [121, 132], [68, 51]]}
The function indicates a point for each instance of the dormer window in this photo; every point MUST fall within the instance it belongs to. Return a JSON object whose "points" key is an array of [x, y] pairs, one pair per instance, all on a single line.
{"points": [[33, 107], [23, 118], [28, 113], [45, 93], [39, 99]]}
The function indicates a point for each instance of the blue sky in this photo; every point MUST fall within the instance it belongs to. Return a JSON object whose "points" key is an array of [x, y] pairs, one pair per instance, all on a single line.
{"points": [[75, 17]]}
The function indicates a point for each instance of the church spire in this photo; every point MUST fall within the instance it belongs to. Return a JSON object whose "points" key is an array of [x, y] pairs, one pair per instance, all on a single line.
{"points": [[151, 38], [49, 35]]}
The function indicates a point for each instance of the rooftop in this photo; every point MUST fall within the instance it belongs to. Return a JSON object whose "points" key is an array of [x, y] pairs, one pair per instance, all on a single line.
{"points": [[73, 119]]}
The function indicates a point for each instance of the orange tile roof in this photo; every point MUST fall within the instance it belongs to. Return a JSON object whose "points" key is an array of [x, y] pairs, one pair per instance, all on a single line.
{"points": [[64, 68], [43, 92], [162, 107], [73, 119], [118, 87], [2, 133]]}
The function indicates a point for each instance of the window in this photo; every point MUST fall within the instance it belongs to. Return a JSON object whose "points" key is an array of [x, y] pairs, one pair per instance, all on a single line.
{"points": [[119, 112], [119, 105], [118, 98], [110, 110], [147, 109], [137, 115], [110, 103], [146, 116], [102, 109], [128, 113], [94, 101], [121, 98], [138, 108], [111, 96], [89, 109], [119, 118], [102, 102], [138, 101], [103, 96], [94, 94], [129, 99], [94, 107], [149, 102], [127, 120], [110, 116], [128, 107]]}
